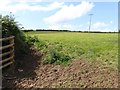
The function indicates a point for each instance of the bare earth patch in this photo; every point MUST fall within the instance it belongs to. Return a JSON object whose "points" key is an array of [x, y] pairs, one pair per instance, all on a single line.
{"points": [[78, 74]]}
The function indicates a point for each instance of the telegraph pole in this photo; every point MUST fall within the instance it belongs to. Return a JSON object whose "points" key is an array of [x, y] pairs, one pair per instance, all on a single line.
{"points": [[90, 21]]}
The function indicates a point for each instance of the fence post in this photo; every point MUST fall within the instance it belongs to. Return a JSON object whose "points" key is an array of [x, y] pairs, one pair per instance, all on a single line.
{"points": [[12, 48], [12, 55]]}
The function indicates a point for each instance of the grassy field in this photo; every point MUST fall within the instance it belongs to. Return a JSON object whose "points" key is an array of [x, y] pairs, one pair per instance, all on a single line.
{"points": [[64, 46]]}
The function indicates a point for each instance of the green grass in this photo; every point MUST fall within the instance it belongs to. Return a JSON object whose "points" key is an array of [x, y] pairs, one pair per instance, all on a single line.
{"points": [[102, 47]]}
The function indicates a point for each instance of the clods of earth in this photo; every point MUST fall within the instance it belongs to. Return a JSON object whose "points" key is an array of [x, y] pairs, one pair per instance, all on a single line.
{"points": [[77, 74]]}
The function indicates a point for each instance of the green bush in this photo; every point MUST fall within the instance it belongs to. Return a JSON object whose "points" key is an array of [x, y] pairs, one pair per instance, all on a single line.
{"points": [[31, 40], [11, 28], [54, 56], [41, 44]]}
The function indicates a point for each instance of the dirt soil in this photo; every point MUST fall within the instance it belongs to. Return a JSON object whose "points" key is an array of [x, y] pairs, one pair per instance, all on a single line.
{"points": [[78, 74]]}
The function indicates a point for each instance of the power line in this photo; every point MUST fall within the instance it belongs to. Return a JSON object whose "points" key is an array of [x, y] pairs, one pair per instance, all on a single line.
{"points": [[90, 21]]}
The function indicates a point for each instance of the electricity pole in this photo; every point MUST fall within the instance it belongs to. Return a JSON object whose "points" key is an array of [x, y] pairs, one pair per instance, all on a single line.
{"points": [[90, 21]]}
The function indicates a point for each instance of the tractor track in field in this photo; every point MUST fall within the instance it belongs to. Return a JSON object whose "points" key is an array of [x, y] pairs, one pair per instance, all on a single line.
{"points": [[78, 74]]}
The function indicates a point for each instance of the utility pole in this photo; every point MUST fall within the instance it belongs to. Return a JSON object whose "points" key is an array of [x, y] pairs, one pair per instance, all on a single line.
{"points": [[90, 21]]}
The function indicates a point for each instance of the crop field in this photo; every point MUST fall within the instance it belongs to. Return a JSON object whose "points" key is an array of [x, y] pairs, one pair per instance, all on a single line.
{"points": [[100, 47]]}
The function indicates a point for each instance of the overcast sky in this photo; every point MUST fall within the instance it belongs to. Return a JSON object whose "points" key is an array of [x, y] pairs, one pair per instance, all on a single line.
{"points": [[35, 14]]}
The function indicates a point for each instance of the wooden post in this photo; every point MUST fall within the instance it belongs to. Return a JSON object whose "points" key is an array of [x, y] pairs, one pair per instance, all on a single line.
{"points": [[12, 49], [12, 55]]}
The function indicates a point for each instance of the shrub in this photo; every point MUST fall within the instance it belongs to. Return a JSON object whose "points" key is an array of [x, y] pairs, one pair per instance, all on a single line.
{"points": [[54, 56], [11, 28], [31, 40]]}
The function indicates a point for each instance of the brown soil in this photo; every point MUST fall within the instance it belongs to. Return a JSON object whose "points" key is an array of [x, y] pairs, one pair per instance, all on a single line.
{"points": [[78, 74]]}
